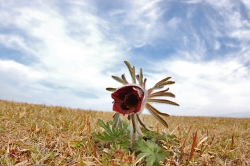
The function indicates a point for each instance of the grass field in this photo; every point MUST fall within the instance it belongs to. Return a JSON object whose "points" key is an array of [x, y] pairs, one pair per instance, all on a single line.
{"points": [[43, 135]]}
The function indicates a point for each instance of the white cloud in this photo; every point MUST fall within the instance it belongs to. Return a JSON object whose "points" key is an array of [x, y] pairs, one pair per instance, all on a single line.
{"points": [[173, 23], [234, 23], [19, 71], [223, 5], [11, 41], [61, 59], [247, 4], [71, 58], [143, 17], [192, 1], [217, 45], [207, 88]]}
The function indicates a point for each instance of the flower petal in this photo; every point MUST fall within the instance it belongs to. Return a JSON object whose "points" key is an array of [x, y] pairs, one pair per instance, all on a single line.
{"points": [[136, 125], [128, 99], [131, 71], [119, 80], [122, 109], [111, 89], [142, 123], [161, 94], [163, 101], [124, 79]]}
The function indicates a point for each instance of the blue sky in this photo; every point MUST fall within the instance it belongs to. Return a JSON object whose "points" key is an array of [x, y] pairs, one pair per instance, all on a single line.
{"points": [[64, 52]]}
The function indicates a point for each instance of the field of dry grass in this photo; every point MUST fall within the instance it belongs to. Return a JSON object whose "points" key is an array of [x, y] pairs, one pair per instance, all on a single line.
{"points": [[43, 135]]}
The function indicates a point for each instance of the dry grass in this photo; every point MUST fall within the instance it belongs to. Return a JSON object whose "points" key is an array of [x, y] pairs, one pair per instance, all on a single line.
{"points": [[42, 135]]}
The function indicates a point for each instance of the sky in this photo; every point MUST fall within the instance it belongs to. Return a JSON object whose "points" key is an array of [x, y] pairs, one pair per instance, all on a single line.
{"points": [[64, 52]]}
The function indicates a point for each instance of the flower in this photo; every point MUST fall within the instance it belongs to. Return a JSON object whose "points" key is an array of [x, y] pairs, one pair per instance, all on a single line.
{"points": [[128, 99], [131, 99]]}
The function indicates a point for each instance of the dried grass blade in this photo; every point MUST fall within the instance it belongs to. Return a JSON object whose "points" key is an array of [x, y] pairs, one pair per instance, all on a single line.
{"points": [[163, 101], [193, 146], [204, 139], [182, 153], [139, 160], [111, 89], [232, 143], [153, 111]]}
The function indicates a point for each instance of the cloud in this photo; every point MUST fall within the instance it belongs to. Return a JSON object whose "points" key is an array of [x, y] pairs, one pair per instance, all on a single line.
{"points": [[67, 64], [207, 88], [64, 52], [75, 54]]}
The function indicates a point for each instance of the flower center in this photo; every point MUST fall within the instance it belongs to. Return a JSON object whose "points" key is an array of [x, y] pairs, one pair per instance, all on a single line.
{"points": [[131, 100]]}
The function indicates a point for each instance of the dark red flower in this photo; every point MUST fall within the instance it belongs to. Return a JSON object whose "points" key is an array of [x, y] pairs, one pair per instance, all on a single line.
{"points": [[132, 98], [128, 99]]}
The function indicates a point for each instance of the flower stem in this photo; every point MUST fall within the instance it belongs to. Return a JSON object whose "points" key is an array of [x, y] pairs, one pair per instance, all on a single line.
{"points": [[133, 130]]}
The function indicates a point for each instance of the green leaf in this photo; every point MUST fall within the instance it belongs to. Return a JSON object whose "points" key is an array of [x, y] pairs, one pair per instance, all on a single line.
{"points": [[113, 136], [154, 136], [102, 124], [150, 160], [150, 150]]}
